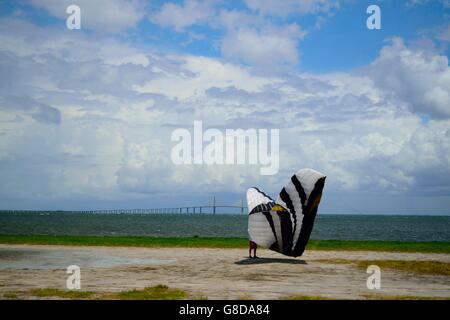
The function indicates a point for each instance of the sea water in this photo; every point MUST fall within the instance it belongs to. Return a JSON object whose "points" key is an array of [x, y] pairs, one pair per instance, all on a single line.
{"points": [[338, 227]]}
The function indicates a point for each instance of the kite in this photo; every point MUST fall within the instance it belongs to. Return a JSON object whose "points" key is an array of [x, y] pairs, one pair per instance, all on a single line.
{"points": [[285, 225]]}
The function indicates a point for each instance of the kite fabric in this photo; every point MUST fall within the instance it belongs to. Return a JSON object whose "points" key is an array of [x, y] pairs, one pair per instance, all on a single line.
{"points": [[285, 225]]}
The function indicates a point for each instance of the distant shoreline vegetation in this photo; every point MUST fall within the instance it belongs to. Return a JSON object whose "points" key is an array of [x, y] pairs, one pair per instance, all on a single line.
{"points": [[221, 242]]}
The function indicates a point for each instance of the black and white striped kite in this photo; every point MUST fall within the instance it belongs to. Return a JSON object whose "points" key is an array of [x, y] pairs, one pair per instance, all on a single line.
{"points": [[286, 224]]}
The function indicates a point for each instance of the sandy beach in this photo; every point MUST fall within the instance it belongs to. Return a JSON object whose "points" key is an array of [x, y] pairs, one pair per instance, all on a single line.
{"points": [[214, 273]]}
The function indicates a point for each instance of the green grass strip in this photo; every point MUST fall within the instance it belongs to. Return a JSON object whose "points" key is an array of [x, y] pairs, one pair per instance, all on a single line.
{"points": [[159, 292], [213, 242], [150, 242], [51, 292]]}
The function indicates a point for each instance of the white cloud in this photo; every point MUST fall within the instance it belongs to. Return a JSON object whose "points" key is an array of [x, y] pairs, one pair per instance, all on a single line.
{"points": [[118, 108], [99, 15], [179, 17], [197, 74], [137, 59], [270, 46], [248, 37], [420, 78], [287, 7], [235, 19], [413, 3]]}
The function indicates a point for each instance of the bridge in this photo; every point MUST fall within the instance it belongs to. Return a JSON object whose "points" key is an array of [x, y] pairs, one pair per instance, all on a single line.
{"points": [[194, 210], [207, 209]]}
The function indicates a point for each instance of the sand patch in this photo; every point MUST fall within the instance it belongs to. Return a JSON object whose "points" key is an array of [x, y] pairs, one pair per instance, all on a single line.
{"points": [[213, 273]]}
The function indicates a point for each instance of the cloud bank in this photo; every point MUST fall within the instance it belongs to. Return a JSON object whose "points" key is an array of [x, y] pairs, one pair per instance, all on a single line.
{"points": [[89, 116]]}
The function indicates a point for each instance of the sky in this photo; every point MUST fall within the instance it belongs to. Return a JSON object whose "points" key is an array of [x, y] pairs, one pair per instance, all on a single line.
{"points": [[86, 116]]}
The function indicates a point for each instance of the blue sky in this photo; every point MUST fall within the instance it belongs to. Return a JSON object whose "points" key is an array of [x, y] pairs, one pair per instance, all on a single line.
{"points": [[341, 42], [86, 115]]}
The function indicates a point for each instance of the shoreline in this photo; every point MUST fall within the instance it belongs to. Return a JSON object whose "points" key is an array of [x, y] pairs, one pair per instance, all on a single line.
{"points": [[223, 243]]}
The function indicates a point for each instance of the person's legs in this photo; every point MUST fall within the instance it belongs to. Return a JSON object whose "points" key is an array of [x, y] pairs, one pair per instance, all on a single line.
{"points": [[252, 246]]}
